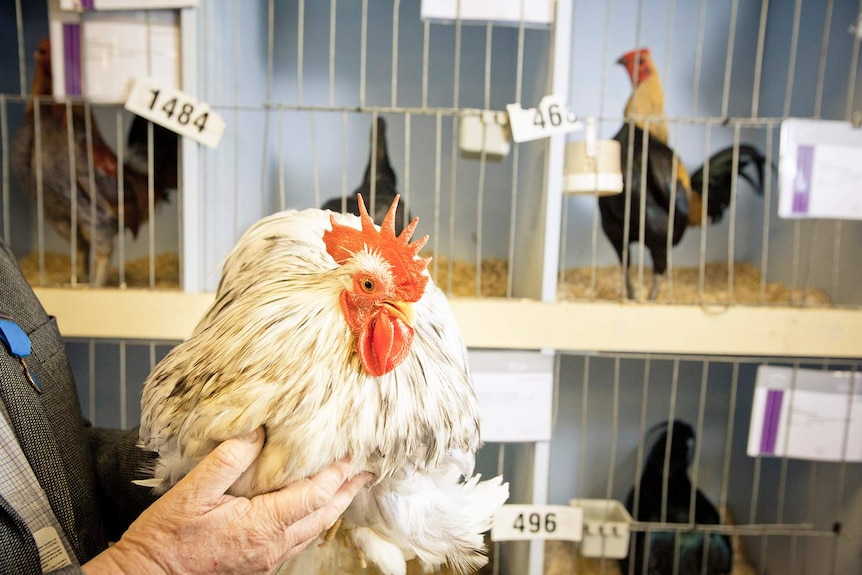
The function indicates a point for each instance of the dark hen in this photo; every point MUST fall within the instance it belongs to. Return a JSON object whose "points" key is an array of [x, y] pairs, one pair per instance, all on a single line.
{"points": [[385, 188], [41, 160], [699, 553]]}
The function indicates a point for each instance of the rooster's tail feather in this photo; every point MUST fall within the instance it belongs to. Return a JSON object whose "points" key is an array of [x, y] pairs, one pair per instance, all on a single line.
{"points": [[468, 509], [436, 517], [721, 176]]}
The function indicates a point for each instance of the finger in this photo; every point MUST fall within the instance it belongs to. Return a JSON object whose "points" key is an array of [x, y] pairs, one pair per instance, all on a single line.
{"points": [[349, 489], [308, 528], [308, 495], [212, 477]]}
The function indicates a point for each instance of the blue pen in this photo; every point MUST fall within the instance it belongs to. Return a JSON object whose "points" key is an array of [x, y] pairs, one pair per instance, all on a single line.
{"points": [[19, 346]]}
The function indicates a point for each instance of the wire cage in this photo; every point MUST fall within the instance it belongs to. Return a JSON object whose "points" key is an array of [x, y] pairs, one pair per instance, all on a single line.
{"points": [[329, 72], [781, 514], [301, 84], [731, 74]]}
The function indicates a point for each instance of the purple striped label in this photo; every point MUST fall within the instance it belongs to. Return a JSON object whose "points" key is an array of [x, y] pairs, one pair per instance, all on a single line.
{"points": [[72, 58], [88, 4], [771, 417], [802, 185]]}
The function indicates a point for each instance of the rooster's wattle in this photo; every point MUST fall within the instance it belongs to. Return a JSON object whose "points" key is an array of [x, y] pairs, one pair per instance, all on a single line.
{"points": [[330, 334]]}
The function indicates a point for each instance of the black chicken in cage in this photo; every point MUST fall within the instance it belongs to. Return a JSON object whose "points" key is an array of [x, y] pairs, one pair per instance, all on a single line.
{"points": [[667, 499], [379, 184]]}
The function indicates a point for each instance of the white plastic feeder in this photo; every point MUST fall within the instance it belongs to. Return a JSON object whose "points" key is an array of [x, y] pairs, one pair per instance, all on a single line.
{"points": [[607, 528], [488, 131], [592, 166]]}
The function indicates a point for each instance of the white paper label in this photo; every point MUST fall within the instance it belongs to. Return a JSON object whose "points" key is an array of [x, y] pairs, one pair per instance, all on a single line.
{"points": [[52, 553], [525, 522], [80, 5], [820, 168], [175, 110], [515, 391], [534, 13], [116, 49], [549, 118], [806, 414]]}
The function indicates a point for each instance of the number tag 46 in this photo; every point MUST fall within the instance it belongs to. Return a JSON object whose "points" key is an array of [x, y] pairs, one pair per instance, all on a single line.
{"points": [[523, 522], [549, 118], [175, 110]]}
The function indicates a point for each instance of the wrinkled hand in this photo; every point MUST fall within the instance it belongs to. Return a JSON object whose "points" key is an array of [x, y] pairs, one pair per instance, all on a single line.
{"points": [[197, 528]]}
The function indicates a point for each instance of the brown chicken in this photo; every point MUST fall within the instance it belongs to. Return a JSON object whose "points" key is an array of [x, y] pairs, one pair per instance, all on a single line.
{"points": [[43, 165], [673, 200]]}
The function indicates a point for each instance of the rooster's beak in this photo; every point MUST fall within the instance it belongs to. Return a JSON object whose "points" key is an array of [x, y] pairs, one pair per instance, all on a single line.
{"points": [[402, 310]]}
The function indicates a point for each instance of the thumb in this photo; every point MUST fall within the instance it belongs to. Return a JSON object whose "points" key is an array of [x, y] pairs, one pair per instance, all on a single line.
{"points": [[213, 476]]}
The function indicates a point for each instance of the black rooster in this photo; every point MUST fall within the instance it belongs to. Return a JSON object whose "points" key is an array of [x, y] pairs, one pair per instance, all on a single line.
{"points": [[699, 553], [657, 187], [385, 188]]}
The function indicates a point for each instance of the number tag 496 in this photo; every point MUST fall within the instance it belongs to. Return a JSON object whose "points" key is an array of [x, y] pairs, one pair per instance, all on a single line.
{"points": [[175, 110], [549, 118], [523, 522]]}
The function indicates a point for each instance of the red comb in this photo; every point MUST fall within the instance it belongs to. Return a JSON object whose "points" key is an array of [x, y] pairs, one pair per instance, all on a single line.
{"points": [[343, 242], [642, 52]]}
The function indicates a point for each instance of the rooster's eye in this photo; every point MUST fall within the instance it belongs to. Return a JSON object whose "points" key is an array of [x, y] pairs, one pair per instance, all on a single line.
{"points": [[367, 285]]}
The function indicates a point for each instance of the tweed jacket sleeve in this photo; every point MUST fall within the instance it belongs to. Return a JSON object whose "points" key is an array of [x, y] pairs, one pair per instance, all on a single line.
{"points": [[85, 472]]}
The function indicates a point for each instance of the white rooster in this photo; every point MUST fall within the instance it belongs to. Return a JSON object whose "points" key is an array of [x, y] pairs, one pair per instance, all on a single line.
{"points": [[330, 334]]}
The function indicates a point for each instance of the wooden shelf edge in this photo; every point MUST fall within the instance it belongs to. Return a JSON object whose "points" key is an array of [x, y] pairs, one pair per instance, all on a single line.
{"points": [[512, 324]]}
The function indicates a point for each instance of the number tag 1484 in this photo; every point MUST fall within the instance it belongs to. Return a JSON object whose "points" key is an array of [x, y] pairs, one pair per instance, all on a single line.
{"points": [[523, 522], [175, 110]]}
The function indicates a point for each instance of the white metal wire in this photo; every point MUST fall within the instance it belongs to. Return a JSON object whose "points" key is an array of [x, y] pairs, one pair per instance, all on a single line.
{"points": [[73, 183], [121, 205]]}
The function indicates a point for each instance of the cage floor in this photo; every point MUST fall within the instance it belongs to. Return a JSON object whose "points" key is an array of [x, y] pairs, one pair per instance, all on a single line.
{"points": [[58, 271], [492, 277], [747, 288], [492, 280], [576, 284], [561, 558]]}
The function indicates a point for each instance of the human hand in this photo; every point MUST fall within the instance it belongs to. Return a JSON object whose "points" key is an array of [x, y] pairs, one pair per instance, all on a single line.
{"points": [[197, 528]]}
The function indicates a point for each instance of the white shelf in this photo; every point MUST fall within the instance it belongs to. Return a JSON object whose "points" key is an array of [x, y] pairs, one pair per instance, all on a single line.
{"points": [[493, 323]]}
